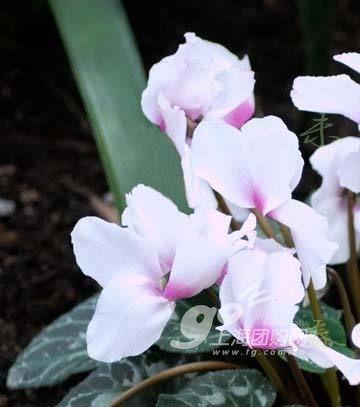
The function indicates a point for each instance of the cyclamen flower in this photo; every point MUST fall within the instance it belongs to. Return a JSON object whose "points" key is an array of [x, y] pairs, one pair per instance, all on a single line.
{"points": [[132, 265], [330, 94], [201, 81], [254, 287], [339, 165], [259, 167], [258, 304]]}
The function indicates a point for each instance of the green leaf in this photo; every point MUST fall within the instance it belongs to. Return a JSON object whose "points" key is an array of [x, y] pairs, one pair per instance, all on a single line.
{"points": [[104, 384], [111, 380], [330, 312], [308, 366], [58, 352], [173, 339], [108, 70], [333, 334], [246, 388]]}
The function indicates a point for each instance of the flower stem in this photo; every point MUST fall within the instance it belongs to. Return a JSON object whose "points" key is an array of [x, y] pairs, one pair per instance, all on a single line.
{"points": [[225, 209], [168, 374], [287, 235], [213, 297], [329, 378], [348, 316], [264, 224], [273, 376], [330, 382], [314, 303], [353, 268], [301, 382]]}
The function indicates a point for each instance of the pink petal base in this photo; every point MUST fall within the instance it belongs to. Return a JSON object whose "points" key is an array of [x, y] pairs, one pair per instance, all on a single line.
{"points": [[240, 114], [264, 336], [176, 292]]}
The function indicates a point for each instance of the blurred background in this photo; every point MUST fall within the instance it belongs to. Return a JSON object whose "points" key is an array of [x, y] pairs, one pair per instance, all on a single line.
{"points": [[48, 157]]}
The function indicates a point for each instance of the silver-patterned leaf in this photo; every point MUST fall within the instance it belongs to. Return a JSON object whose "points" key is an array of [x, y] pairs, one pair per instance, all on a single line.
{"points": [[110, 380], [58, 352], [230, 388], [104, 384]]}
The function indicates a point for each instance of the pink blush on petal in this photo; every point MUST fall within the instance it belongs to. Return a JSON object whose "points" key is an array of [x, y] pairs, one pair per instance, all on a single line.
{"points": [[240, 114], [224, 270], [161, 125], [176, 292], [259, 201], [264, 336]]}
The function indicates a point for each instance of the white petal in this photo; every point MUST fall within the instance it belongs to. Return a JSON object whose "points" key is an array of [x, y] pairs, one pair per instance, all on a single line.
{"points": [[198, 191], [197, 265], [238, 213], [310, 234], [351, 59], [283, 270], [210, 223], [246, 269], [216, 154], [269, 272], [129, 317], [237, 91], [268, 324], [153, 216], [355, 335], [104, 251], [248, 226], [332, 94], [312, 348], [334, 209], [173, 123], [349, 172], [248, 230], [285, 142], [240, 286], [253, 297], [270, 246], [324, 156], [241, 165], [329, 200], [236, 102]]}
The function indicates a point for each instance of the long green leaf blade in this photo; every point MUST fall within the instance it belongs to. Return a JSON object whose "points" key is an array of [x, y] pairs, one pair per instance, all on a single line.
{"points": [[109, 73]]}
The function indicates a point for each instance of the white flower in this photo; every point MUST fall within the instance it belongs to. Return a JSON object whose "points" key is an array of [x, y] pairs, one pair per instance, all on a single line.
{"points": [[201, 81], [258, 304], [258, 296], [164, 255], [259, 167], [338, 164]]}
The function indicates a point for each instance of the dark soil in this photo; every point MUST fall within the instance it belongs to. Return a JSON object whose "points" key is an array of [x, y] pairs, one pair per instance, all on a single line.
{"points": [[46, 145]]}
